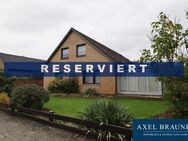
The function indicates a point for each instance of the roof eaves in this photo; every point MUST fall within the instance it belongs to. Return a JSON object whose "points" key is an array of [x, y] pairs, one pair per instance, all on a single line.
{"points": [[59, 45]]}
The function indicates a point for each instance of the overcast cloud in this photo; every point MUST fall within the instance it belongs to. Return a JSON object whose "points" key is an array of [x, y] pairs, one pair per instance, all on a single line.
{"points": [[35, 27]]}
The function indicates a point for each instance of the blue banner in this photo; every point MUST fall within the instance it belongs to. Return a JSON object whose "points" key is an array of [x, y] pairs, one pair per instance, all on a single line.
{"points": [[60, 69], [160, 130]]}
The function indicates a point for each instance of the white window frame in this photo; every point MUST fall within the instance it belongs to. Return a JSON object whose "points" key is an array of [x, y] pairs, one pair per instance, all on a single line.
{"points": [[159, 93]]}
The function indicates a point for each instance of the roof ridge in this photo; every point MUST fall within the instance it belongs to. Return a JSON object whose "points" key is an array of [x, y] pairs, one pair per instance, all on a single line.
{"points": [[100, 44], [90, 38]]}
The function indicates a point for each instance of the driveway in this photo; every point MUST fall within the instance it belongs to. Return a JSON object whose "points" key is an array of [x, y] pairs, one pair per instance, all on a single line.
{"points": [[19, 129]]}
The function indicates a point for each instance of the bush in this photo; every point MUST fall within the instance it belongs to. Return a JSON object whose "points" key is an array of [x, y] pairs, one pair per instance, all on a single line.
{"points": [[30, 96], [4, 98], [108, 112], [176, 91], [64, 85], [90, 92], [6, 84]]}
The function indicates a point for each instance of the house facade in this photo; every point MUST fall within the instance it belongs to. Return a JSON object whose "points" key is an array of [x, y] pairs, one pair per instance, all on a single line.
{"points": [[77, 47]]}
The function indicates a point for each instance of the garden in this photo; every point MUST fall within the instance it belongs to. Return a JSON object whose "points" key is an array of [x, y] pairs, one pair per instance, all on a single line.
{"points": [[94, 111], [72, 106], [114, 112]]}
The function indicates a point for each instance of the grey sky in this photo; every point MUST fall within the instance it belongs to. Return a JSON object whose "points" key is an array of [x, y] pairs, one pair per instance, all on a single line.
{"points": [[35, 27]]}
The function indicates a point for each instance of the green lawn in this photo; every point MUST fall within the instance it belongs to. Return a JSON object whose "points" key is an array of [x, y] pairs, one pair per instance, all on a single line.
{"points": [[139, 108]]}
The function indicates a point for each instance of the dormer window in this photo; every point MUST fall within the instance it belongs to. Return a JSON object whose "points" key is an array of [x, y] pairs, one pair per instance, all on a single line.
{"points": [[64, 53], [81, 50]]}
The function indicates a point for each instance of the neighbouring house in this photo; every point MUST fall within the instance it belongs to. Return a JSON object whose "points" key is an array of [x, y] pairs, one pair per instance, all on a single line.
{"points": [[4, 57], [77, 47]]}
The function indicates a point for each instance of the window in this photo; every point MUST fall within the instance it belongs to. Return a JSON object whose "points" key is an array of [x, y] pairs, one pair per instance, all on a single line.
{"points": [[91, 79], [81, 50], [139, 85], [133, 84], [97, 80], [153, 84], [88, 80], [64, 53], [142, 84], [123, 84]]}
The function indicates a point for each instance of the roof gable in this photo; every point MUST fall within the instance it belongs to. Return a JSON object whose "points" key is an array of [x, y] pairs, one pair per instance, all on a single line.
{"points": [[114, 56]]}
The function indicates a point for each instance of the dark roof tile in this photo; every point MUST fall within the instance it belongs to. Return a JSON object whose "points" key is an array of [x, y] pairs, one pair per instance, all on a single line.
{"points": [[14, 58]]}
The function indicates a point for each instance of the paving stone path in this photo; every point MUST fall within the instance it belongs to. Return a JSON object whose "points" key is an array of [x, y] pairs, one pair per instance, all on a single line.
{"points": [[20, 129]]}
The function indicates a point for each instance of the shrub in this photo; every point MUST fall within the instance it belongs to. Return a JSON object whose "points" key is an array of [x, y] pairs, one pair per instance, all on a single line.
{"points": [[64, 85], [90, 92], [4, 98], [30, 96], [176, 91], [108, 112], [6, 84]]}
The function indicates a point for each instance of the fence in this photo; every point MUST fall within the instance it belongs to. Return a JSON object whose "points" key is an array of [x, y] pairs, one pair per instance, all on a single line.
{"points": [[53, 120], [37, 81]]}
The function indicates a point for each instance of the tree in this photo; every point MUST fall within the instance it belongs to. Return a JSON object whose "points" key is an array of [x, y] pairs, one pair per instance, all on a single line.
{"points": [[170, 43]]}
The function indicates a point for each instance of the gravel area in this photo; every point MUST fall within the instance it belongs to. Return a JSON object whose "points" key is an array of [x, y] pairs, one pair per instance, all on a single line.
{"points": [[20, 129]]}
